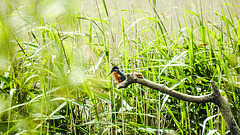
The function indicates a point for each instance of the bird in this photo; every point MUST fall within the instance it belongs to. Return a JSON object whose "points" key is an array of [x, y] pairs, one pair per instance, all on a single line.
{"points": [[119, 75]]}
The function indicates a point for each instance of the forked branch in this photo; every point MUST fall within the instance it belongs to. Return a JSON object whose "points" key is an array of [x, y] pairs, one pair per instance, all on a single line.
{"points": [[215, 97]]}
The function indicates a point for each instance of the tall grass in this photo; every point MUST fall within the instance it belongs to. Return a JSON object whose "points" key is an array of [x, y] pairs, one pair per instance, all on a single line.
{"points": [[55, 56]]}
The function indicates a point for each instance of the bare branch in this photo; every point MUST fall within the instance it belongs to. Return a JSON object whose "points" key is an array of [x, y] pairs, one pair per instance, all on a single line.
{"points": [[131, 78], [215, 97], [222, 103]]}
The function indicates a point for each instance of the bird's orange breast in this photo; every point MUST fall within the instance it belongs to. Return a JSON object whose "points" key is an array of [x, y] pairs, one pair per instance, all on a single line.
{"points": [[117, 77]]}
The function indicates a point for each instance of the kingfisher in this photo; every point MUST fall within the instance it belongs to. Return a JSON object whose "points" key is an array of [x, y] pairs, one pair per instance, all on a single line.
{"points": [[119, 76]]}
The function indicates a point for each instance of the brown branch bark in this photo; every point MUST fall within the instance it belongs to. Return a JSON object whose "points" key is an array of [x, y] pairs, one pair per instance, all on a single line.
{"points": [[215, 97]]}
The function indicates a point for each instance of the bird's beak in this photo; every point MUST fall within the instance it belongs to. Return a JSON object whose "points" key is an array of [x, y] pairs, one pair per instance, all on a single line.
{"points": [[110, 73]]}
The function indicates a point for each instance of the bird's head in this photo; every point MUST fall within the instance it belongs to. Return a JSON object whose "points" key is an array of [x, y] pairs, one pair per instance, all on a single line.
{"points": [[115, 68]]}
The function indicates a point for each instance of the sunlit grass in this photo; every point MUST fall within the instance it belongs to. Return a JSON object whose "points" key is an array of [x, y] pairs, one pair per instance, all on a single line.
{"points": [[55, 58]]}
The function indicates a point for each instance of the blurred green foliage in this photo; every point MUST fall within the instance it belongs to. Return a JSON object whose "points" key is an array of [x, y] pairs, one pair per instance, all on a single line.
{"points": [[55, 56]]}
